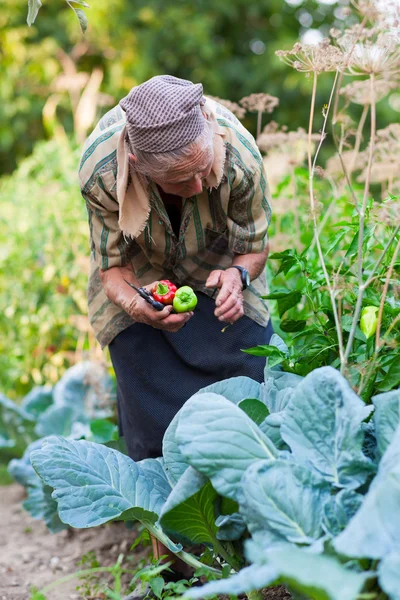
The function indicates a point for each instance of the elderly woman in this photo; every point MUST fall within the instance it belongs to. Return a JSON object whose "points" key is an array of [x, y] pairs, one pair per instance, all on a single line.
{"points": [[175, 189]]}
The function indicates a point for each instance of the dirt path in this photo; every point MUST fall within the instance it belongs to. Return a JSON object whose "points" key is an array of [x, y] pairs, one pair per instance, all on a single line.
{"points": [[31, 556]]}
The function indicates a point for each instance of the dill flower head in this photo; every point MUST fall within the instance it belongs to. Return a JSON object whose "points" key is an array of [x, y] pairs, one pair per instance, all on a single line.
{"points": [[380, 57], [237, 110], [367, 8], [359, 92], [291, 143], [334, 167], [310, 58], [259, 103], [386, 162]]}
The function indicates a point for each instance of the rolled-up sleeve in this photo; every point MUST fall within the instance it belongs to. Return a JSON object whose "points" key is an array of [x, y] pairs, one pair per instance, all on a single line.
{"points": [[107, 243], [249, 212]]}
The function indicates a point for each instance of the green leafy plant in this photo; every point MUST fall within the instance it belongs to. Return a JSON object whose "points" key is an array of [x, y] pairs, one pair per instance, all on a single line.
{"points": [[34, 6], [74, 408], [298, 496]]}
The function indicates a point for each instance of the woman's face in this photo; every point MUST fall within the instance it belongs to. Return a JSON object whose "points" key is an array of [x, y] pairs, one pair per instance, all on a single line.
{"points": [[186, 180]]}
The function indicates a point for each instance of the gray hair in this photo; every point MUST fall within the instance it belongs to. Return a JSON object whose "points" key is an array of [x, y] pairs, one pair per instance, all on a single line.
{"points": [[159, 163]]}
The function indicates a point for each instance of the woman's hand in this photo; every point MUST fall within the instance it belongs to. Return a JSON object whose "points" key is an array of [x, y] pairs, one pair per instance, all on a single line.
{"points": [[229, 302], [142, 312]]}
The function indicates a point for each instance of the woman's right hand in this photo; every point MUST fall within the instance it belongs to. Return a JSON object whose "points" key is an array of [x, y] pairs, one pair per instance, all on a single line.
{"points": [[142, 312]]}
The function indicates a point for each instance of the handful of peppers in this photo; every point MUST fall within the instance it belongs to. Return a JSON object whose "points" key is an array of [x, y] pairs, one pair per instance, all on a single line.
{"points": [[183, 299]]}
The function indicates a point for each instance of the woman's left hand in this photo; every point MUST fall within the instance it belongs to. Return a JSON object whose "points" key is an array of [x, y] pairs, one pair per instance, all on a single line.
{"points": [[229, 301]]}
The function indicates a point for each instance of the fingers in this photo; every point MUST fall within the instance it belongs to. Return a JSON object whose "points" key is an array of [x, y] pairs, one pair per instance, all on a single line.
{"points": [[234, 314], [214, 279], [231, 288], [174, 322]]}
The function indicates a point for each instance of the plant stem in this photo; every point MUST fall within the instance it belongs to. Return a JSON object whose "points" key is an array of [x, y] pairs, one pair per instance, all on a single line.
{"points": [[230, 560], [259, 122], [185, 556], [382, 256], [361, 286], [311, 166], [294, 205], [384, 293], [358, 137]]}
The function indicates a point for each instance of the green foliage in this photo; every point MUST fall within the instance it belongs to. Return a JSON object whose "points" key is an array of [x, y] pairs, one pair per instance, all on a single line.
{"points": [[43, 270], [229, 47], [234, 484]]}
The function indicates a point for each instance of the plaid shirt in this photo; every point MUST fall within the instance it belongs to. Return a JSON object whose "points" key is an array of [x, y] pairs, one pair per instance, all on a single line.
{"points": [[229, 219]]}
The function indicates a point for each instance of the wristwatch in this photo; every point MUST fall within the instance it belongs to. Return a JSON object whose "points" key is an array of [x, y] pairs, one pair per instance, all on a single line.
{"points": [[244, 274]]}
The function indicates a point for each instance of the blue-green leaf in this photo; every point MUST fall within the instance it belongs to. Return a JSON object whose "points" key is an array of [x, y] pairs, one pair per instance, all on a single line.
{"points": [[315, 576], [322, 426], [57, 420], [339, 510], [41, 505], [16, 425], [230, 527], [374, 531], [38, 400], [250, 578], [220, 440], [311, 575], [284, 497], [86, 387], [39, 502], [386, 418], [389, 575], [234, 389], [94, 484], [175, 462]]}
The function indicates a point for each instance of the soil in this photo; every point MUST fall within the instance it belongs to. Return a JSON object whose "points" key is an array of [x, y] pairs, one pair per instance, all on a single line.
{"points": [[32, 557]]}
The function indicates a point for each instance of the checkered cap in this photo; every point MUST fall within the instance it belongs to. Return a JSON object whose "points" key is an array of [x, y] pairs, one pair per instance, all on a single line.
{"points": [[163, 113]]}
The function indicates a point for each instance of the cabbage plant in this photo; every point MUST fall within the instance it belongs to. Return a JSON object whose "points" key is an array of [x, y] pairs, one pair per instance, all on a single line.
{"points": [[294, 481]]}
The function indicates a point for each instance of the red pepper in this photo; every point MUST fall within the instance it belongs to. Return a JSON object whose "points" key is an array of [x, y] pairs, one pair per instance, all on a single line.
{"points": [[164, 291]]}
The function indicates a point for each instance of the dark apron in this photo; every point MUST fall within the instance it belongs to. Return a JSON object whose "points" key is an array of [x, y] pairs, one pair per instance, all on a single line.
{"points": [[158, 371]]}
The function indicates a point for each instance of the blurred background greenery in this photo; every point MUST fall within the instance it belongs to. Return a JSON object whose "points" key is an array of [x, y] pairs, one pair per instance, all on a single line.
{"points": [[54, 85], [49, 73]]}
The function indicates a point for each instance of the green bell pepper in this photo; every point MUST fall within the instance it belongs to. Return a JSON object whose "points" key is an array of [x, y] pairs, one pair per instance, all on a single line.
{"points": [[185, 299]]}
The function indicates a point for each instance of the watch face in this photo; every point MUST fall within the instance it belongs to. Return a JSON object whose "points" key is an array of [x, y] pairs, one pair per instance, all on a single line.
{"points": [[246, 278]]}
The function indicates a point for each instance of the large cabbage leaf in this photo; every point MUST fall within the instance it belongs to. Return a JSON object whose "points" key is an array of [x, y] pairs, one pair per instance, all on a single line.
{"points": [[221, 441], [311, 575], [175, 463], [389, 575], [38, 400], [39, 502], [387, 418], [322, 426], [339, 510], [94, 484], [16, 425], [234, 389], [284, 497], [374, 531]]}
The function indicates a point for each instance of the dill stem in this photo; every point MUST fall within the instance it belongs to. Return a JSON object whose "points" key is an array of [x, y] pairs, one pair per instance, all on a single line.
{"points": [[357, 143], [311, 168], [361, 286]]}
